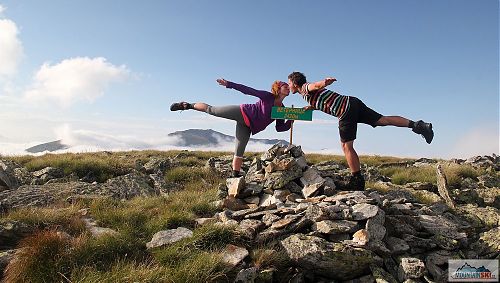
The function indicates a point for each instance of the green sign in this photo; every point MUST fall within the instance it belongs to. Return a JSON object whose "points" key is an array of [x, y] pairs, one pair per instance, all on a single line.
{"points": [[289, 113]]}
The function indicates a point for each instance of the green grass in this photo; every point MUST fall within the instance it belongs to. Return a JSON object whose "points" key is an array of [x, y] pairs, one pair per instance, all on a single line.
{"points": [[198, 257], [100, 165], [202, 267], [106, 165], [122, 271], [454, 174], [370, 160], [66, 219], [184, 174], [52, 257], [103, 251], [403, 175], [142, 217]]}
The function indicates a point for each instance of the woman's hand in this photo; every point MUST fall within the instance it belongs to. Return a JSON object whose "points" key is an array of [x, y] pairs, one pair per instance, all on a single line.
{"points": [[308, 107], [222, 82]]}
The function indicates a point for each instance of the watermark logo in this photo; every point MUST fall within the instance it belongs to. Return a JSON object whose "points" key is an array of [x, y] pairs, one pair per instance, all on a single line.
{"points": [[473, 270]]}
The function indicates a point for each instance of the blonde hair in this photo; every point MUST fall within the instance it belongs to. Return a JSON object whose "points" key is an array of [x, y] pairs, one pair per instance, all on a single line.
{"points": [[275, 88]]}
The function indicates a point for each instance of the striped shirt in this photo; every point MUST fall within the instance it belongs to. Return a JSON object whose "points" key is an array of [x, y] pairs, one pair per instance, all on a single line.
{"points": [[326, 100]]}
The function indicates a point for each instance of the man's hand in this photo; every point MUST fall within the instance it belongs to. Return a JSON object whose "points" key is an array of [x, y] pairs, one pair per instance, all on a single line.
{"points": [[329, 81], [222, 82], [308, 107]]}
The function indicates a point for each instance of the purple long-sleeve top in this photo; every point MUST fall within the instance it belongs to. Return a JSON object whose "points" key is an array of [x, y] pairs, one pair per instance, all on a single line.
{"points": [[259, 114]]}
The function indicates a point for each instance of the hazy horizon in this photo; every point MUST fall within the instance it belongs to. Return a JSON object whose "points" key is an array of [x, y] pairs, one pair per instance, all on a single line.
{"points": [[82, 143]]}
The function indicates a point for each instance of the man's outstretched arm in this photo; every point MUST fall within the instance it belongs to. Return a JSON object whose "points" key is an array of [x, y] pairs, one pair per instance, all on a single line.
{"points": [[320, 84]]}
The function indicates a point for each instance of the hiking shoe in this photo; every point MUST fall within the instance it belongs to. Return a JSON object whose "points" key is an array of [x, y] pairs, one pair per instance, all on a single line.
{"points": [[424, 129], [236, 174], [180, 106], [355, 183]]}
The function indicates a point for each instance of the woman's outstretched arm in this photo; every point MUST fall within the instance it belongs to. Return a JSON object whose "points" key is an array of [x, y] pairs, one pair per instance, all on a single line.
{"points": [[243, 88]]}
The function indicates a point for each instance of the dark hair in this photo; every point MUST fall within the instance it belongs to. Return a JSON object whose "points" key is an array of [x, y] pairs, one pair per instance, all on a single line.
{"points": [[297, 78]]}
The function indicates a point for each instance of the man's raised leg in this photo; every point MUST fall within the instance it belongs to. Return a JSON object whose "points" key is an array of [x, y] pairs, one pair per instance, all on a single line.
{"points": [[420, 127], [397, 121]]}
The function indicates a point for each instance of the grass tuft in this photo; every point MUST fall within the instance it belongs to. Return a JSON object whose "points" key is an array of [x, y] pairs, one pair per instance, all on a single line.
{"points": [[103, 251], [270, 257], [184, 175], [202, 267], [65, 219], [214, 237], [41, 258], [210, 238]]}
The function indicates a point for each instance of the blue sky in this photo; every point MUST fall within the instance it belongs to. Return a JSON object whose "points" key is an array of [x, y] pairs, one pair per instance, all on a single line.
{"points": [[102, 74]]}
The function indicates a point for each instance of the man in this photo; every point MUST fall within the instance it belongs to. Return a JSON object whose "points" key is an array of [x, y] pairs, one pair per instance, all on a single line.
{"points": [[350, 111]]}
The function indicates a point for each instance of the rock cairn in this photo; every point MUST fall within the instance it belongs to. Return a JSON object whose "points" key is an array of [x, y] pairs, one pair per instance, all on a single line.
{"points": [[397, 234]]}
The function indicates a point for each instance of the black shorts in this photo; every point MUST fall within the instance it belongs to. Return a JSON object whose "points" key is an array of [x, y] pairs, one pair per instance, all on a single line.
{"points": [[358, 113]]}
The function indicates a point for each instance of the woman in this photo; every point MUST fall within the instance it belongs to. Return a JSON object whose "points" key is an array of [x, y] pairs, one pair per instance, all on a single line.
{"points": [[250, 118]]}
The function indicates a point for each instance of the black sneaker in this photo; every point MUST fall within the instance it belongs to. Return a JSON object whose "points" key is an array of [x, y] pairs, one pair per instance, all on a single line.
{"points": [[180, 106], [355, 183], [424, 129], [236, 174]]}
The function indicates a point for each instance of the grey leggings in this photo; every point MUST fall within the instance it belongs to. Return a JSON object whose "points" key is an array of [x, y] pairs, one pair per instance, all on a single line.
{"points": [[233, 112]]}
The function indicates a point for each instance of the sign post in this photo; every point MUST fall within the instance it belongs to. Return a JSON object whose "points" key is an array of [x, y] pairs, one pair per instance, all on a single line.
{"points": [[290, 113]]}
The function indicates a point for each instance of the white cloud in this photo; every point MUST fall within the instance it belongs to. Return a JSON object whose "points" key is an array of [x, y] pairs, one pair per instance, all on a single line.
{"points": [[11, 48], [480, 141], [2, 9], [74, 80]]}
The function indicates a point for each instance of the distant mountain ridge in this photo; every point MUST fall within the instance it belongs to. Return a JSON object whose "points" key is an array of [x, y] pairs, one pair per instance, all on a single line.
{"points": [[209, 137], [49, 146], [189, 138]]}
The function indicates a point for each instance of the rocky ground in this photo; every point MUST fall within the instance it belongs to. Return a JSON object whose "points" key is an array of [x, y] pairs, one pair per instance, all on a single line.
{"points": [[390, 234]]}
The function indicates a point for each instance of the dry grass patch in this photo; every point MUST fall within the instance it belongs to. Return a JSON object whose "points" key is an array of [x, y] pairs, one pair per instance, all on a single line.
{"points": [[456, 172], [269, 257], [378, 186], [50, 256], [42, 257]]}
